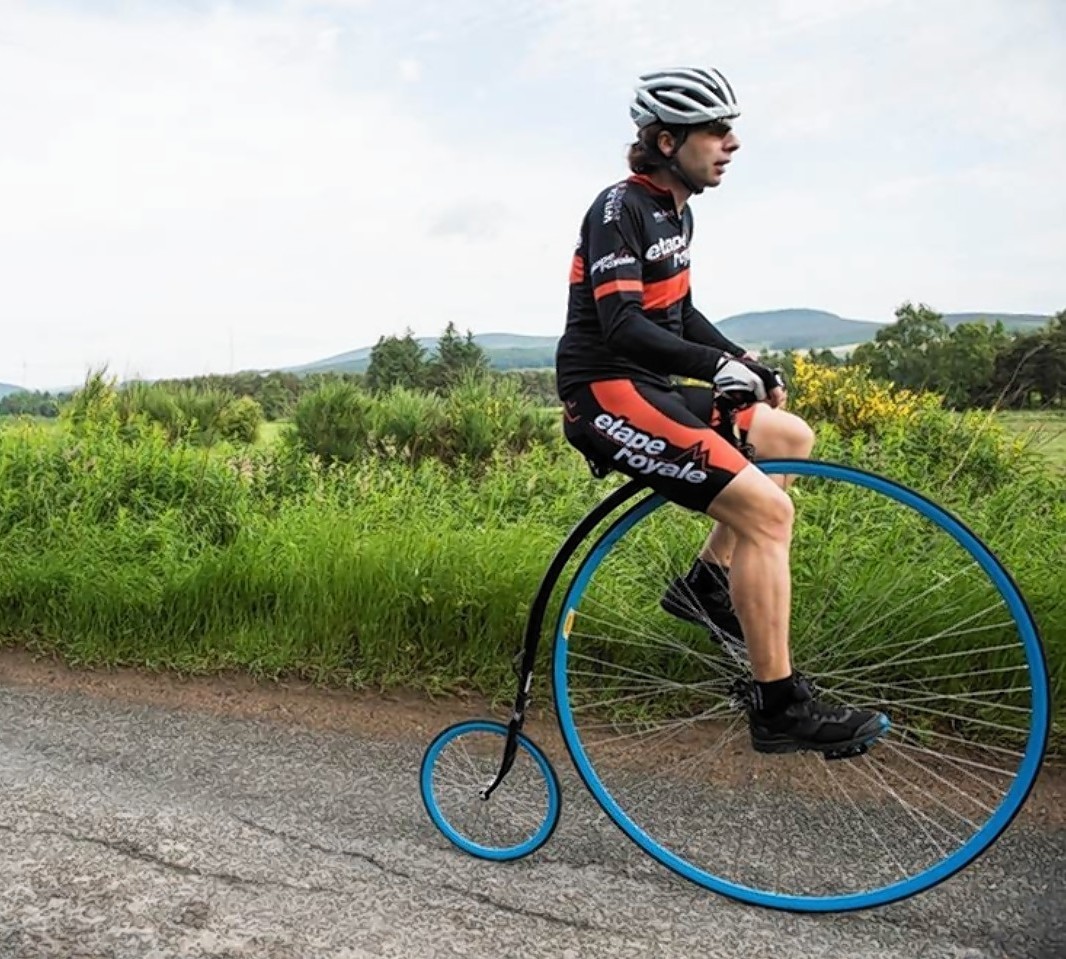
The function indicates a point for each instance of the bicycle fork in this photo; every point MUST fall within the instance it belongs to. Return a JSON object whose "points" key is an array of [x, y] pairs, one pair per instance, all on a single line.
{"points": [[535, 621]]}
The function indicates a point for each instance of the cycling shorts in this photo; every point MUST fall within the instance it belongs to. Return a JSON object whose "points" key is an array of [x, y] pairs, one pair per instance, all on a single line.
{"points": [[672, 439]]}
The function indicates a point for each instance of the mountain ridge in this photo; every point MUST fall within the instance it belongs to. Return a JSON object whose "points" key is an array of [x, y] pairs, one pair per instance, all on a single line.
{"points": [[783, 329]]}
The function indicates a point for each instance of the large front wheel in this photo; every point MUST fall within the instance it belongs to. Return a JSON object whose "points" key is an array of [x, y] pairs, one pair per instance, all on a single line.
{"points": [[896, 606]]}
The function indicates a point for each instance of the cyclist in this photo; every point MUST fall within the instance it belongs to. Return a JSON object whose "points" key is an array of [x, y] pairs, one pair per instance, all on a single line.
{"points": [[630, 326]]}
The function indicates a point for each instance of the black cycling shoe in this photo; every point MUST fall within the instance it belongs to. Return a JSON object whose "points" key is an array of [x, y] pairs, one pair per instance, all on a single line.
{"points": [[808, 724], [711, 608]]}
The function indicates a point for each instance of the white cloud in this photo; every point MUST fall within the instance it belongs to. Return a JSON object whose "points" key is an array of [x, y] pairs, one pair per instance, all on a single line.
{"points": [[172, 182], [178, 182]]}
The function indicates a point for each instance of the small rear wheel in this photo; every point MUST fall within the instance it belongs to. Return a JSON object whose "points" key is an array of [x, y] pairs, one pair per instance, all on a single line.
{"points": [[520, 814]]}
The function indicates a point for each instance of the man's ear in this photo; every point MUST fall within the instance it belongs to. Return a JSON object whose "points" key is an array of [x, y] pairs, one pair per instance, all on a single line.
{"points": [[666, 143]]}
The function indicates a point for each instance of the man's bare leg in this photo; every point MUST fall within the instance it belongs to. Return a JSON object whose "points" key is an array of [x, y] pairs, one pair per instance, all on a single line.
{"points": [[775, 434], [760, 515]]}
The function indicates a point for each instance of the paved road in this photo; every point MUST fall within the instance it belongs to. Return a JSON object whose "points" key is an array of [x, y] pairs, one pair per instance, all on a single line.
{"points": [[151, 831]]}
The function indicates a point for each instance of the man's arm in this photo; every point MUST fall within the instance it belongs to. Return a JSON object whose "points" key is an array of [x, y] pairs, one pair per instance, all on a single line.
{"points": [[699, 329], [618, 287]]}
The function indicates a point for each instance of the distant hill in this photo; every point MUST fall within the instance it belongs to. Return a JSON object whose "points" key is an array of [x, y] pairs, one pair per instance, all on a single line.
{"points": [[6, 389], [796, 329], [791, 329], [1018, 322], [817, 329]]}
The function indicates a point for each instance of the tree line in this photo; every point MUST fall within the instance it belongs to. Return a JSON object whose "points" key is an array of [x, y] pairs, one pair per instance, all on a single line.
{"points": [[969, 365], [972, 364]]}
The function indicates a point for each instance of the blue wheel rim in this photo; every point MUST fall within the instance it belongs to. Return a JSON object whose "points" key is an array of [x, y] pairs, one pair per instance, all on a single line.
{"points": [[1028, 768], [499, 854]]}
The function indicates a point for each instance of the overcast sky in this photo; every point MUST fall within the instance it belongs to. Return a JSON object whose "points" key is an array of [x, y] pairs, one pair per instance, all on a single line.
{"points": [[188, 186]]}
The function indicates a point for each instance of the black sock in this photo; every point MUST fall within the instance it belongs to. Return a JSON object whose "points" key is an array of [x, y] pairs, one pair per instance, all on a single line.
{"points": [[707, 577], [774, 697]]}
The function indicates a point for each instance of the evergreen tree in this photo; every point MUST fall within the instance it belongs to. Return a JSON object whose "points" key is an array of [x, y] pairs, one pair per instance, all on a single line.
{"points": [[396, 361], [457, 358]]}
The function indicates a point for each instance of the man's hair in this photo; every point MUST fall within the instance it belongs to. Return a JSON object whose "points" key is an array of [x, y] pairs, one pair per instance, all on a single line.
{"points": [[644, 155]]}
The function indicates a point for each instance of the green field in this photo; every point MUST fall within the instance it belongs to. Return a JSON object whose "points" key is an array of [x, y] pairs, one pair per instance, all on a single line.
{"points": [[1044, 430]]}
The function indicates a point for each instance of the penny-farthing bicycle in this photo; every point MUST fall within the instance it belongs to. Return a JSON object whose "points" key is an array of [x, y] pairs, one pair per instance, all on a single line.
{"points": [[896, 606]]}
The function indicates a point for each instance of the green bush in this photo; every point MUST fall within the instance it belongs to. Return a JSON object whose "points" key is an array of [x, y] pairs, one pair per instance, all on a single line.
{"points": [[486, 415], [197, 414], [239, 420], [408, 425], [333, 422], [477, 419]]}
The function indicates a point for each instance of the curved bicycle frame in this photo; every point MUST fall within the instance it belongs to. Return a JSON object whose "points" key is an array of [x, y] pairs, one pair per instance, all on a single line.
{"points": [[535, 620]]}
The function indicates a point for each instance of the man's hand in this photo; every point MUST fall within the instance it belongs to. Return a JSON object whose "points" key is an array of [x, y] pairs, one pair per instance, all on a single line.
{"points": [[746, 381], [776, 397]]}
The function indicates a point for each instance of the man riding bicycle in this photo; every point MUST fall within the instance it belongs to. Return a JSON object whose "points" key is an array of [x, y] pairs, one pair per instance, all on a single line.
{"points": [[630, 326]]}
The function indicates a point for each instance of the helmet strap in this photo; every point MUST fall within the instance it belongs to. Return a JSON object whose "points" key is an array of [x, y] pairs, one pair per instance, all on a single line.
{"points": [[674, 165]]}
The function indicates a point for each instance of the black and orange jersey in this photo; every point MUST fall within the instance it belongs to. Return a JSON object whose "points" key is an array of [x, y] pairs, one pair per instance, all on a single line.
{"points": [[630, 314]]}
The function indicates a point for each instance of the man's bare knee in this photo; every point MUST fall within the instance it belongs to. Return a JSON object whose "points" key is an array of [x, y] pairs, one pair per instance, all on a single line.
{"points": [[774, 517], [801, 438], [755, 508], [779, 434], [792, 436]]}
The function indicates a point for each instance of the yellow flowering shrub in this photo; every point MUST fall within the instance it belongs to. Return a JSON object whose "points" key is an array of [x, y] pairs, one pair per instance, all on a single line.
{"points": [[849, 398]]}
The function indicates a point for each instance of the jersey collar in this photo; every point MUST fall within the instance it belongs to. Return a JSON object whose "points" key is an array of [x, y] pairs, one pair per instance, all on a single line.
{"points": [[664, 197], [646, 181]]}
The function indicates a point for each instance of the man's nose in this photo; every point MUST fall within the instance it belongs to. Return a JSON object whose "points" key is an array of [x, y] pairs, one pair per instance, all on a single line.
{"points": [[732, 142]]}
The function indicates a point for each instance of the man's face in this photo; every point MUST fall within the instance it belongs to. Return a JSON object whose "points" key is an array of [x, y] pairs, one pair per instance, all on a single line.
{"points": [[706, 152]]}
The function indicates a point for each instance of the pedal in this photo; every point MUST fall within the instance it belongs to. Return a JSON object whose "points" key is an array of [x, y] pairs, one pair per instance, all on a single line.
{"points": [[740, 694], [850, 753]]}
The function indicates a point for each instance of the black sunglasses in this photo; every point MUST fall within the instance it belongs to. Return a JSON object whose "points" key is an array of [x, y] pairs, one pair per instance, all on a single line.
{"points": [[719, 128]]}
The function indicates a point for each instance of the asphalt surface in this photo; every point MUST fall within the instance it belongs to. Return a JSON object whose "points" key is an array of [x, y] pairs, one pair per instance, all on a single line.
{"points": [[148, 831]]}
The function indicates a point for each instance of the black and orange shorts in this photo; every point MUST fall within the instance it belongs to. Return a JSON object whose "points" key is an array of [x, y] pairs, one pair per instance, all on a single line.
{"points": [[672, 439]]}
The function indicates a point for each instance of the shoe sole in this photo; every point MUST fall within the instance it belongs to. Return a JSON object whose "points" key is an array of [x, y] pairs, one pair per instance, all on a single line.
{"points": [[865, 736], [686, 616], [681, 612]]}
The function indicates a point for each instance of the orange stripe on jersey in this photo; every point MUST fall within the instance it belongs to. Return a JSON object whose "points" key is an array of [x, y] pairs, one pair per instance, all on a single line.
{"points": [[577, 269], [664, 293], [618, 286], [622, 398], [743, 418]]}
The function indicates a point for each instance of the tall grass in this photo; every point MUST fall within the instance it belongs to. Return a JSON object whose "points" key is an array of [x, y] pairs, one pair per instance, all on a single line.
{"points": [[201, 416], [396, 567]]}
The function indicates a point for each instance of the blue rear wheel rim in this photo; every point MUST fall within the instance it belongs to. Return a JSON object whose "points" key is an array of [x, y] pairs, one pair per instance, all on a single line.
{"points": [[979, 842], [525, 745]]}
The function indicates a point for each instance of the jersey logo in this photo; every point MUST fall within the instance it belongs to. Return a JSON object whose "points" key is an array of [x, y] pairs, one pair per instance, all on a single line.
{"points": [[612, 261], [612, 206], [665, 247]]}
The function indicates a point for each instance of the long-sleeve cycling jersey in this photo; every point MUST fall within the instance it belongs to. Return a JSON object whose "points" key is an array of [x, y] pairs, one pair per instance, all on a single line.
{"points": [[630, 314]]}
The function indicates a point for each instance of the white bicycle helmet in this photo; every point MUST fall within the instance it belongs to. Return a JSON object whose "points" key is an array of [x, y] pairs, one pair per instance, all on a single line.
{"points": [[683, 96]]}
